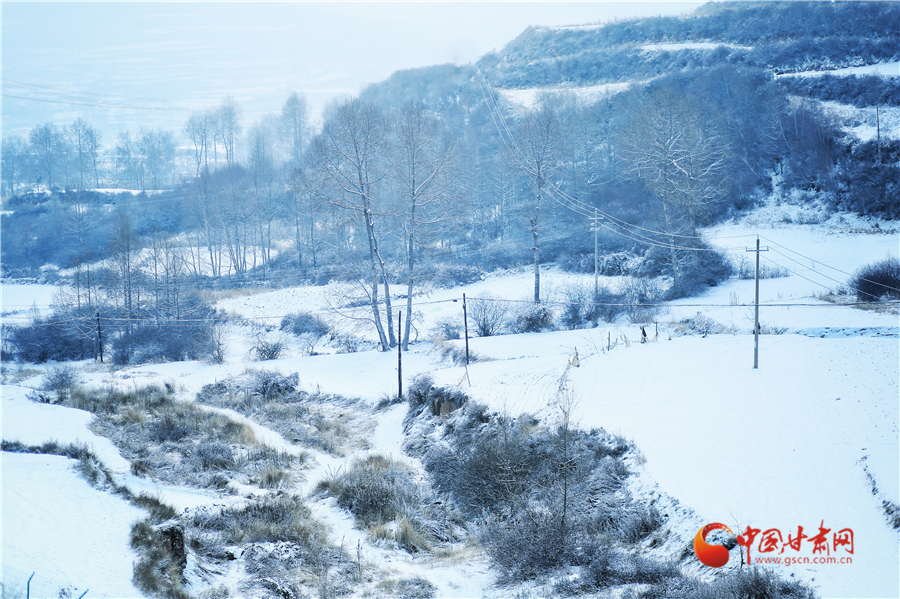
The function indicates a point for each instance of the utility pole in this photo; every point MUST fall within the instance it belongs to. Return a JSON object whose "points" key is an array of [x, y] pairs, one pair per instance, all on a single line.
{"points": [[99, 337], [595, 225], [466, 327], [756, 311], [399, 359]]}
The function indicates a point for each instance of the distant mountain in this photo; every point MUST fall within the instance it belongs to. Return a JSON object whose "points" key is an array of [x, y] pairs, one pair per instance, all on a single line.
{"points": [[782, 37], [775, 37]]}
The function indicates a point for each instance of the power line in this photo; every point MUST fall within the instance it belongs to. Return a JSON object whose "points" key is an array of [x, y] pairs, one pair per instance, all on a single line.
{"points": [[826, 266]]}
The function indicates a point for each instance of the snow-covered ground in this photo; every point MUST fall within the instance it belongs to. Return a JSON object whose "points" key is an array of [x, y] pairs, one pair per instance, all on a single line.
{"points": [[674, 47], [797, 442], [67, 533], [18, 300], [587, 94], [885, 69]]}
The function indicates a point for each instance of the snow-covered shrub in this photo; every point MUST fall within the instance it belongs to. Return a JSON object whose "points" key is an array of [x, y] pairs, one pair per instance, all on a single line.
{"points": [[267, 347], [440, 401], [579, 310], [215, 455], [877, 280], [640, 523], [409, 588], [526, 541], [746, 270], [60, 380], [486, 315], [532, 318], [641, 298], [383, 495], [703, 325], [453, 275], [449, 328], [65, 335], [273, 518], [273, 477], [608, 304], [375, 489], [453, 353], [157, 572], [303, 322], [348, 343], [269, 384]]}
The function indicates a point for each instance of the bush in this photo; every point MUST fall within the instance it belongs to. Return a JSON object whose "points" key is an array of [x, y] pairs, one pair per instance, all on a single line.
{"points": [[487, 315], [302, 323], [274, 518], [532, 319], [877, 281], [268, 348], [60, 379], [449, 328], [744, 583], [215, 456], [154, 338], [531, 539], [700, 269], [270, 385], [414, 588], [66, 335], [448, 275], [608, 304], [641, 297], [580, 309], [349, 344], [375, 490], [440, 401]]}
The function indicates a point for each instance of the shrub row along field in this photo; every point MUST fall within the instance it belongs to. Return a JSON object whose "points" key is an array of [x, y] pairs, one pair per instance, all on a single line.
{"points": [[177, 442]]}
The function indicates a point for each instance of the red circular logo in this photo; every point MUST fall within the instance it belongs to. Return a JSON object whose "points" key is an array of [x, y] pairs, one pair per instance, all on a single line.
{"points": [[714, 556]]}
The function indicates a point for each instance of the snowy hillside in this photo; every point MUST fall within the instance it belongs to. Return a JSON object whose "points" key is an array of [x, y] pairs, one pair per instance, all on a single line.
{"points": [[810, 438]]}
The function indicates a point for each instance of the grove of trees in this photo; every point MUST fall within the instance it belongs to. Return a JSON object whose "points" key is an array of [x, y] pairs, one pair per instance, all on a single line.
{"points": [[430, 176]]}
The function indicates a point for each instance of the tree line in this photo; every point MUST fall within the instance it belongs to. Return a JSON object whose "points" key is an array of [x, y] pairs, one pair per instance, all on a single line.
{"points": [[425, 179]]}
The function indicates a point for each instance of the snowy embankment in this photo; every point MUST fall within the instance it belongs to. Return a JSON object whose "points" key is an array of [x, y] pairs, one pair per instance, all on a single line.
{"points": [[54, 523]]}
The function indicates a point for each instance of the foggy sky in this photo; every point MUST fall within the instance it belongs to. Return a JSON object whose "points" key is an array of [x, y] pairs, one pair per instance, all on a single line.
{"points": [[121, 65]]}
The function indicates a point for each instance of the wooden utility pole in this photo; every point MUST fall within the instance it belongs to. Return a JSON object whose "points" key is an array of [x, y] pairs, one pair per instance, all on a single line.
{"points": [[596, 226], [756, 303], [99, 337], [399, 359], [466, 327]]}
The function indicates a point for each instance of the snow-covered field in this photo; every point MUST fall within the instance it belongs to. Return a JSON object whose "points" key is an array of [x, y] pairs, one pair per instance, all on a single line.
{"points": [[798, 442]]}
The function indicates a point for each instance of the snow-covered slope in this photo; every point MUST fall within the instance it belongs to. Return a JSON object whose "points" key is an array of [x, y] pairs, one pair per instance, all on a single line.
{"points": [[809, 438]]}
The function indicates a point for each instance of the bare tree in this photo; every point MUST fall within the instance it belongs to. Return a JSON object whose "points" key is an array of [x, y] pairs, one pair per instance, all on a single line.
{"points": [[681, 159], [307, 207], [537, 140], [228, 123], [78, 225], [85, 143], [199, 130], [157, 148], [124, 248], [47, 149], [129, 162], [294, 125], [267, 195], [15, 156], [349, 154], [423, 165]]}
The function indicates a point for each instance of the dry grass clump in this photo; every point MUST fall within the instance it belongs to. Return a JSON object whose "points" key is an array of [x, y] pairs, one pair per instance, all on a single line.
{"points": [[384, 497]]}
